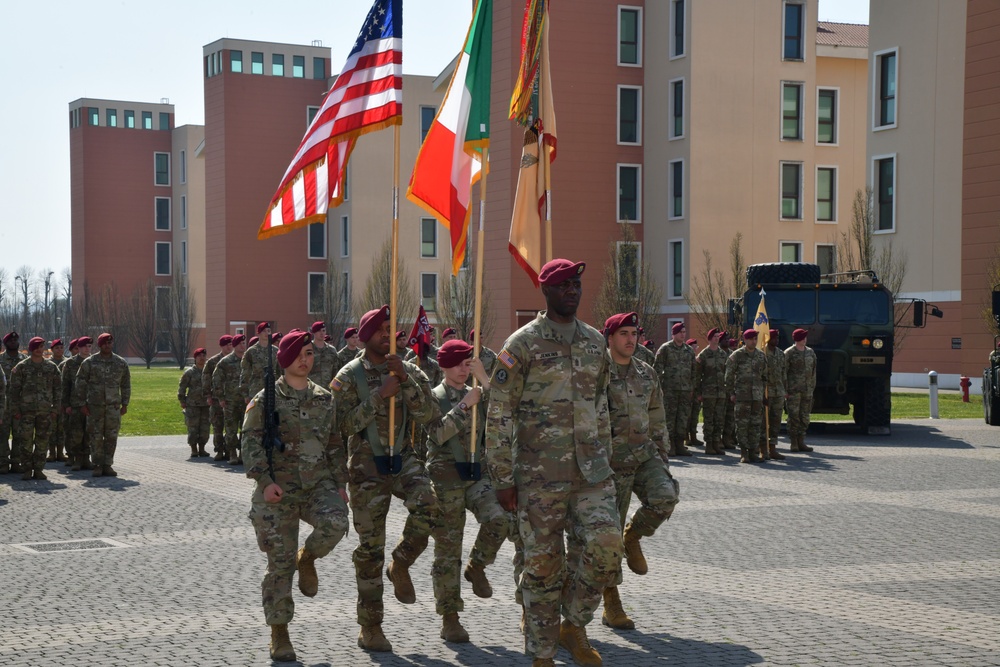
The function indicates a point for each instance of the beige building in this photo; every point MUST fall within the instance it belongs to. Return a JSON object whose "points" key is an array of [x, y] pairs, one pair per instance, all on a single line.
{"points": [[188, 202]]}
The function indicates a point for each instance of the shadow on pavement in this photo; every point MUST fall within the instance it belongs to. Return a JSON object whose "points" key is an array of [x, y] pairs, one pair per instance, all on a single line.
{"points": [[672, 650], [110, 483], [909, 435], [36, 486]]}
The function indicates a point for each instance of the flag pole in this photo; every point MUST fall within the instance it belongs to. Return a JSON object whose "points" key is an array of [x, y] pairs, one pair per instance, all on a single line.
{"points": [[477, 321], [395, 276], [547, 167]]}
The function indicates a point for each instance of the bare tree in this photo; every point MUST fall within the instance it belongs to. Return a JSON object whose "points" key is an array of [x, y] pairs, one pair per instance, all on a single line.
{"points": [[180, 312], [338, 303], [23, 281], [143, 324], [378, 288], [710, 292], [628, 284], [456, 305], [109, 314]]}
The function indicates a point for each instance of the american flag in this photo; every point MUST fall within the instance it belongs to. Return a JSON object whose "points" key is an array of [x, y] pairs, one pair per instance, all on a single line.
{"points": [[367, 96]]}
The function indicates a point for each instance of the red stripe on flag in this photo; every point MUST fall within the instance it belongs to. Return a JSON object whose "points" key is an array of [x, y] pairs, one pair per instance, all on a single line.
{"points": [[310, 192]]}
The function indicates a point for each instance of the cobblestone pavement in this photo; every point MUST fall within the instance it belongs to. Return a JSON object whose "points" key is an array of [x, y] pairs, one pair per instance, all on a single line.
{"points": [[869, 551]]}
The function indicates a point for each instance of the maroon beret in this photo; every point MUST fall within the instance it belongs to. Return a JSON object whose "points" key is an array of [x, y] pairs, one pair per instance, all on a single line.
{"points": [[317, 326], [75, 343], [400, 334], [799, 334], [691, 341], [291, 344], [327, 338], [350, 331], [56, 343], [35, 343], [252, 341], [372, 322], [11, 335], [616, 322], [105, 338], [237, 339], [749, 333], [453, 352], [84, 340], [200, 350], [472, 335], [713, 332], [773, 333], [677, 328], [225, 340], [262, 326], [559, 271], [732, 342], [450, 331]]}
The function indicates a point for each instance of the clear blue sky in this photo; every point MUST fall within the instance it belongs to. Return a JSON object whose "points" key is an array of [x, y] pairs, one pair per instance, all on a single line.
{"points": [[58, 51]]}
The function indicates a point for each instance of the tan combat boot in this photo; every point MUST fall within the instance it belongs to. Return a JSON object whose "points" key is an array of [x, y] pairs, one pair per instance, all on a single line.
{"points": [[40, 475], [305, 563], [402, 585], [201, 450], [763, 452], [720, 448], [633, 551], [793, 441], [803, 447], [281, 645], [194, 451], [452, 630], [543, 662], [614, 615], [573, 638], [680, 449], [27, 475], [110, 472], [772, 450], [476, 575], [371, 639], [220, 455]]}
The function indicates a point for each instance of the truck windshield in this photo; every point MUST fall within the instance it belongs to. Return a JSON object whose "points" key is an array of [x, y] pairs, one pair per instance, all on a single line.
{"points": [[784, 307], [863, 307]]}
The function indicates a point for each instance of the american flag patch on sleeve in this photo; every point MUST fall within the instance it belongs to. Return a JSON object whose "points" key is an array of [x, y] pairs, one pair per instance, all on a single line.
{"points": [[506, 359], [336, 384]]}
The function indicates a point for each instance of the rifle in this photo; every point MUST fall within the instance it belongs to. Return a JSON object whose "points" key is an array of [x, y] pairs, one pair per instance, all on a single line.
{"points": [[271, 439]]}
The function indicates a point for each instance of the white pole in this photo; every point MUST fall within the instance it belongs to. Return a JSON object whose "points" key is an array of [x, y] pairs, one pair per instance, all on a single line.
{"points": [[932, 386]]}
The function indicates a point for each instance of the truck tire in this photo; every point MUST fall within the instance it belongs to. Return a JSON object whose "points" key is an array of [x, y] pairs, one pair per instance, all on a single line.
{"points": [[782, 272], [991, 402], [878, 407]]}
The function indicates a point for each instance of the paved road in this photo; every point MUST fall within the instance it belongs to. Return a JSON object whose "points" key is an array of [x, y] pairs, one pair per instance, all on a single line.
{"points": [[869, 551]]}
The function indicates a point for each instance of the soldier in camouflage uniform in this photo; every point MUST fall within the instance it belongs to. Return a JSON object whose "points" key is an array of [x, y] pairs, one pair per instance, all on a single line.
{"points": [[307, 482], [728, 345], [362, 390], [548, 447], [746, 377], [77, 446], [227, 390], [448, 439], [4, 463], [216, 415], [58, 435], [639, 452], [675, 368], [350, 350], [254, 362], [710, 387], [34, 404], [800, 378], [326, 361], [192, 396], [104, 386], [692, 429], [775, 398], [9, 451], [643, 353]]}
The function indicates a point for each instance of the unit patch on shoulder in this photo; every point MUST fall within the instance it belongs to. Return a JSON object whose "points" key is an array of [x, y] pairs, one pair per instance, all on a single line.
{"points": [[507, 359], [500, 377], [336, 384]]}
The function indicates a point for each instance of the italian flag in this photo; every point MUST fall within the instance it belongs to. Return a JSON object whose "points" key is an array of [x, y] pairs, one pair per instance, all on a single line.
{"points": [[450, 159]]}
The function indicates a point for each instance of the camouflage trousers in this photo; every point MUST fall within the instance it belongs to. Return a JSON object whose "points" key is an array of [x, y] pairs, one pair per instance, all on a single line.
{"points": [[494, 528], [729, 424], [5, 433], [371, 494], [799, 407], [33, 430], [277, 529], [692, 428], [773, 411], [749, 423], [677, 406], [76, 436], [196, 418], [58, 435], [715, 418], [555, 584], [102, 431], [217, 417], [233, 414], [655, 488]]}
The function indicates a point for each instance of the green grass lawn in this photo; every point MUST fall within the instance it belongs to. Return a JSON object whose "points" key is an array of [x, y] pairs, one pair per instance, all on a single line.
{"points": [[906, 405]]}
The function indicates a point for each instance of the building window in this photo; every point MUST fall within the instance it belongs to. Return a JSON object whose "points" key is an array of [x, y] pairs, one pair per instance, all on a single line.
{"points": [[675, 269], [184, 257], [345, 287], [791, 111], [163, 258], [428, 238], [826, 258], [677, 34], [256, 62], [791, 251], [317, 240], [317, 292], [184, 212], [299, 67], [629, 36], [277, 64], [885, 191], [347, 182], [426, 120], [629, 115], [95, 118], [164, 120], [319, 68], [161, 163], [209, 66], [791, 190], [826, 194], [345, 236], [629, 195], [147, 120], [676, 189], [629, 263], [826, 116], [311, 115], [162, 223], [236, 61], [429, 291], [794, 29], [184, 167], [112, 117], [129, 119], [885, 88], [677, 108]]}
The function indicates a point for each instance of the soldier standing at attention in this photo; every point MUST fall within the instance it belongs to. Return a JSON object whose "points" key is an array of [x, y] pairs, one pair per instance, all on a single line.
{"points": [[639, 452], [9, 452], [692, 429], [104, 385], [326, 361], [800, 370], [64, 409], [448, 437], [307, 482], [643, 353], [362, 390], [352, 347], [548, 447], [58, 435], [728, 345], [191, 394], [746, 375], [227, 391], [77, 445], [448, 334], [675, 367], [216, 415], [34, 404], [255, 361], [775, 398], [710, 387]]}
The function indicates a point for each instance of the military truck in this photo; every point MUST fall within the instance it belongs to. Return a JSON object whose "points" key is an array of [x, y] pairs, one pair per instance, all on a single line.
{"points": [[991, 374], [851, 318]]}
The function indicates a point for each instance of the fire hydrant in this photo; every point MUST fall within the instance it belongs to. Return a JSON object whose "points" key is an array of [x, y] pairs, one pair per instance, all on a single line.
{"points": [[965, 383]]}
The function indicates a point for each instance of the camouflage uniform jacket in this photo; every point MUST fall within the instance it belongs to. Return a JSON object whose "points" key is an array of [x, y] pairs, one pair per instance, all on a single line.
{"points": [[344, 355], [8, 362], [354, 414], [548, 413], [226, 379], [432, 351], [69, 369], [775, 372], [456, 423], [191, 389], [103, 381], [489, 359], [643, 353], [800, 371], [254, 365], [638, 422], [675, 366], [314, 450], [710, 373], [34, 388], [432, 369], [3, 392], [326, 363], [208, 371], [746, 374]]}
